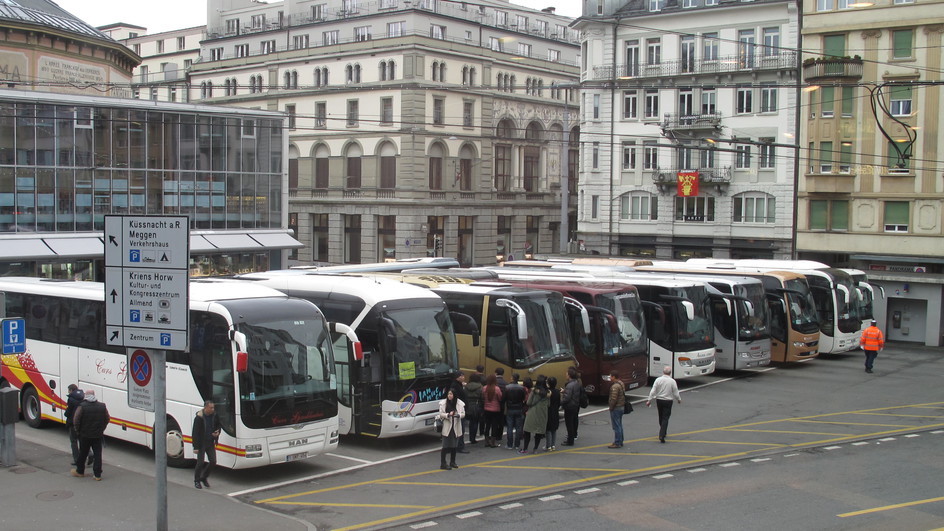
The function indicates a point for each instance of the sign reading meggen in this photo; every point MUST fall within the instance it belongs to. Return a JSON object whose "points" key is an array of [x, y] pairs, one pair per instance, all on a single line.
{"points": [[146, 281]]}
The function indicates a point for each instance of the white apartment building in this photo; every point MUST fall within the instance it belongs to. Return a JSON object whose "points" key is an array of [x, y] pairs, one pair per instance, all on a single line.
{"points": [[166, 59], [688, 128], [416, 127]]}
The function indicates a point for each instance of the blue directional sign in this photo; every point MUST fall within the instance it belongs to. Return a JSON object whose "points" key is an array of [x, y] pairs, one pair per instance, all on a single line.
{"points": [[14, 336]]}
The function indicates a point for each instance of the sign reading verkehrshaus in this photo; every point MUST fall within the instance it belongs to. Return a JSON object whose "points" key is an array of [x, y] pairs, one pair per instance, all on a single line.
{"points": [[147, 281]]}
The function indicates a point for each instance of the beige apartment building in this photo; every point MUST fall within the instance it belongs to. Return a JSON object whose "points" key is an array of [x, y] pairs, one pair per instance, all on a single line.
{"points": [[871, 193]]}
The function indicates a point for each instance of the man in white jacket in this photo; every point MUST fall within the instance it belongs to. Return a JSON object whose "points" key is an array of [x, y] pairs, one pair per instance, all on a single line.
{"points": [[664, 390]]}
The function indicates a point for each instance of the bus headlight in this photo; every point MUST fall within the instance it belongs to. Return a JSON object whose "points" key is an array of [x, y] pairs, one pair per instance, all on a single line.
{"points": [[799, 344], [685, 362], [605, 377], [745, 355]]}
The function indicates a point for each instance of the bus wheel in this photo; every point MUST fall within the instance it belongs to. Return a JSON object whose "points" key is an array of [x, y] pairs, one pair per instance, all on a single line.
{"points": [[175, 445], [32, 408]]}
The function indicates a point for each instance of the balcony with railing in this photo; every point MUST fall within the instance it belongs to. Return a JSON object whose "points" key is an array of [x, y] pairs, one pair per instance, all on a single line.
{"points": [[457, 10], [691, 122], [718, 178], [764, 60], [819, 69]]}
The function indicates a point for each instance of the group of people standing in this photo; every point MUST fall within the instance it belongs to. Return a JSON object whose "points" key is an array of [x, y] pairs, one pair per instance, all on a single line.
{"points": [[488, 405]]}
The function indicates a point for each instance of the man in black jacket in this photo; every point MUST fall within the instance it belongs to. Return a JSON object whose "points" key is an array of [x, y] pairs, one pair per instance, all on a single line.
{"points": [[570, 401], [206, 430], [74, 398], [514, 398], [90, 420]]}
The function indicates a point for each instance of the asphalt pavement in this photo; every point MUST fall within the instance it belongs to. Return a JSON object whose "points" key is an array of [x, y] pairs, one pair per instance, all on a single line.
{"points": [[37, 492]]}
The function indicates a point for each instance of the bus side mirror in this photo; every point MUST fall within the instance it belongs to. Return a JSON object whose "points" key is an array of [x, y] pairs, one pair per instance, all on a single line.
{"points": [[689, 310], [521, 320], [464, 324]]}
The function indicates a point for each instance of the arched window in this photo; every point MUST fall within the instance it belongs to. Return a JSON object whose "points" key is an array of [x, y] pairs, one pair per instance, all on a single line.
{"points": [[436, 155], [639, 206], [209, 89], [349, 71], [352, 166], [472, 76], [320, 177], [294, 79], [511, 84], [287, 80], [464, 168], [392, 69], [754, 207], [442, 71], [383, 70], [388, 165], [435, 72], [465, 75], [357, 73]]}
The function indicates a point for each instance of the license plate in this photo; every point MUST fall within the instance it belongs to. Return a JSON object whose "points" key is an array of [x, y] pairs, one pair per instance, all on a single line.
{"points": [[429, 422], [633, 385], [296, 457]]}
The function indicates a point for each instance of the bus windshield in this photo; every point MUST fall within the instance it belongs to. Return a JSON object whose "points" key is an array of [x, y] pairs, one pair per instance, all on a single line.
{"points": [[802, 307], [849, 316], [697, 333], [548, 336], [753, 321], [290, 375], [424, 343], [630, 320]]}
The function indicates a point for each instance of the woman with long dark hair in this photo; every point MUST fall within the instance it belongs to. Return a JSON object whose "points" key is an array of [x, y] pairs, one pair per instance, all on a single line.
{"points": [[451, 412]]}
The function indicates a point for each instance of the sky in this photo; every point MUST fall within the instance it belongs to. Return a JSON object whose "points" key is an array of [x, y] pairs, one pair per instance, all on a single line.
{"points": [[166, 15]]}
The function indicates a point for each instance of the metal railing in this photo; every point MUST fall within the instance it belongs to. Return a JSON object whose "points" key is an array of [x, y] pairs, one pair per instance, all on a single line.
{"points": [[824, 68], [733, 63], [710, 120]]}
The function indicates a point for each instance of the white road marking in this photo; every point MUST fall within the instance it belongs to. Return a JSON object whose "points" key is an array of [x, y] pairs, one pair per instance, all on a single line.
{"points": [[886, 439], [349, 458], [831, 447], [510, 506], [937, 431], [628, 483], [552, 497], [726, 465], [860, 443], [760, 459], [791, 455], [910, 435], [586, 491], [696, 470], [423, 525], [472, 514], [663, 476]]}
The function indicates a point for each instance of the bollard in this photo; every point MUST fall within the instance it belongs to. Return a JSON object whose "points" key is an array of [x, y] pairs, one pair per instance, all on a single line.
{"points": [[9, 414]]}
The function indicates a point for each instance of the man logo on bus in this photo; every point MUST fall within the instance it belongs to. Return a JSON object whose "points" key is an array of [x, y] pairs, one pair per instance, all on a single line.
{"points": [[406, 403]]}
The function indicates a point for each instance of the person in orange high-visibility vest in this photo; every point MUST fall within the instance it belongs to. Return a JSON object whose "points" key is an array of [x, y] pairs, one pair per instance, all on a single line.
{"points": [[872, 341]]}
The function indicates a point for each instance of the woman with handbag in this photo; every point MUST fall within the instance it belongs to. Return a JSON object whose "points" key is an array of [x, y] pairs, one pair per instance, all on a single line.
{"points": [[492, 409], [451, 412]]}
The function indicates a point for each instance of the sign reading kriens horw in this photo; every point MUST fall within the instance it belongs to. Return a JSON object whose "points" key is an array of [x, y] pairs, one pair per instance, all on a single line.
{"points": [[146, 281]]}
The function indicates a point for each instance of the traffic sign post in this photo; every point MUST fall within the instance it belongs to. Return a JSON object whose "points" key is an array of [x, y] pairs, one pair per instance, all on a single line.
{"points": [[147, 307], [14, 336]]}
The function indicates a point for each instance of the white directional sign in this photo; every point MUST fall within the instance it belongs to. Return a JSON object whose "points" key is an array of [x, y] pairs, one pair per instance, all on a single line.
{"points": [[147, 281]]}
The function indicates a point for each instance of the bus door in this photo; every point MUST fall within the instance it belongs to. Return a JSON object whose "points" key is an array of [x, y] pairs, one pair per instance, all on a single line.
{"points": [[724, 319], [350, 366], [779, 326], [588, 347], [659, 324]]}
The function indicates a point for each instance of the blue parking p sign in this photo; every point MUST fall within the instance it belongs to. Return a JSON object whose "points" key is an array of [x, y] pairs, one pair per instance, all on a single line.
{"points": [[14, 336]]}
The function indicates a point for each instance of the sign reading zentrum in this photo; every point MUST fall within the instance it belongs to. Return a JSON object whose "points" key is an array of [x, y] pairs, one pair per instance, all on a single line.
{"points": [[146, 281]]}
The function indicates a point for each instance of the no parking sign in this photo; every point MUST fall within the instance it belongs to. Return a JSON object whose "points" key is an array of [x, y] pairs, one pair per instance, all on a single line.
{"points": [[140, 379]]}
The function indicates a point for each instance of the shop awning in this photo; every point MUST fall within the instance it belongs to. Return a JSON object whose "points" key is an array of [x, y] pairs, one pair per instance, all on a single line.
{"points": [[232, 242], [27, 249], [79, 247], [276, 240]]}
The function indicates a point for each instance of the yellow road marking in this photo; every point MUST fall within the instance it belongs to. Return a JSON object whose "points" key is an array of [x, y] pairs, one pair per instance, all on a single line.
{"points": [[431, 484], [633, 454], [534, 489], [789, 431], [889, 507], [857, 423], [729, 442], [903, 415], [535, 467], [371, 505]]}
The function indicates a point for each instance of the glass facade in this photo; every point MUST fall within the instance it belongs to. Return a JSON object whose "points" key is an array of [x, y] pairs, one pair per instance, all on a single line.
{"points": [[64, 166]]}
